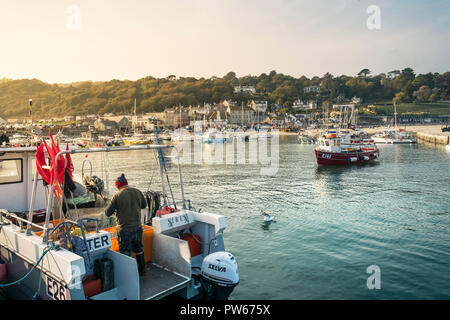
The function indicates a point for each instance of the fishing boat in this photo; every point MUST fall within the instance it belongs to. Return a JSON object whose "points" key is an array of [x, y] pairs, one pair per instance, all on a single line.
{"points": [[394, 136], [216, 136], [137, 139], [74, 256], [334, 149], [117, 141], [305, 139], [20, 140], [165, 135]]}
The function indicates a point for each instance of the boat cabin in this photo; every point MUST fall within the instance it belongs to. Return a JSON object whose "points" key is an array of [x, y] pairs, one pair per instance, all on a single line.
{"points": [[17, 175]]}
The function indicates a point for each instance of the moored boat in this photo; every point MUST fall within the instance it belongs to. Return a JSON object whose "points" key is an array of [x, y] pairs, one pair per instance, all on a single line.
{"points": [[336, 150], [394, 136]]}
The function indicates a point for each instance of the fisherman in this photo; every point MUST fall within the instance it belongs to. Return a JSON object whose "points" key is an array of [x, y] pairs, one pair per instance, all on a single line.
{"points": [[127, 205], [4, 139]]}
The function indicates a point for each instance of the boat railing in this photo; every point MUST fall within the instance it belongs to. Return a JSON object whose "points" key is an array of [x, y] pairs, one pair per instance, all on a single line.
{"points": [[21, 220]]}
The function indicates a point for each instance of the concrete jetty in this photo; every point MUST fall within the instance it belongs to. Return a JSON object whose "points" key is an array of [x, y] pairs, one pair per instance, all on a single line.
{"points": [[433, 138]]}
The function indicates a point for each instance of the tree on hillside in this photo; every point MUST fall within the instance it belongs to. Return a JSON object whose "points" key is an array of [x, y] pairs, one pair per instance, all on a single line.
{"points": [[408, 74], [401, 97], [423, 94], [393, 74], [364, 73]]}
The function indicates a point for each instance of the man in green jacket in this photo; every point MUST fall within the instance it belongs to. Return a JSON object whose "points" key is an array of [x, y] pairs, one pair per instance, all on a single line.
{"points": [[127, 205]]}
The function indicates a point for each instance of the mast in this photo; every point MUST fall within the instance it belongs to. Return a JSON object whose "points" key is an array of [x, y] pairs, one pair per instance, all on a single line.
{"points": [[30, 103], [242, 114], [135, 118], [395, 116]]}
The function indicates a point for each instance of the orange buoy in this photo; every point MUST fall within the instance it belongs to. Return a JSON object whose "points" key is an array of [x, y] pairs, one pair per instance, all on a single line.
{"points": [[194, 243]]}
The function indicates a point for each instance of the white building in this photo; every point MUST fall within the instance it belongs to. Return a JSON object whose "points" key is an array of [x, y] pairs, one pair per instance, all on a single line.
{"points": [[260, 106], [299, 104], [311, 89], [356, 100], [245, 89], [69, 118]]}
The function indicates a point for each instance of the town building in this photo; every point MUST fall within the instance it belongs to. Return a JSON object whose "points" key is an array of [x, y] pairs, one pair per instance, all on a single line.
{"points": [[176, 117], [105, 125], [259, 105], [243, 115]]}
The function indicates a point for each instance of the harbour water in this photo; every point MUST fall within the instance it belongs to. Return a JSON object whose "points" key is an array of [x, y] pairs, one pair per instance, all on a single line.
{"points": [[331, 223]]}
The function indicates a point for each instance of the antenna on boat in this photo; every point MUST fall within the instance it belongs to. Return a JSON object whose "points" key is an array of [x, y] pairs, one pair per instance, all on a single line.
{"points": [[30, 104]]}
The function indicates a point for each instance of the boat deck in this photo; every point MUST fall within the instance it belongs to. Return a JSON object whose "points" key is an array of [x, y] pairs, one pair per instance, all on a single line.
{"points": [[158, 282]]}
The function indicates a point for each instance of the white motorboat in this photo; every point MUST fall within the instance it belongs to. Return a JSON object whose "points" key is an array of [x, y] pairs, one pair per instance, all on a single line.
{"points": [[393, 136]]}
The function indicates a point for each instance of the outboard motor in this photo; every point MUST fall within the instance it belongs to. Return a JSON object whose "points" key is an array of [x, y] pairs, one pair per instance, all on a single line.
{"points": [[220, 274]]}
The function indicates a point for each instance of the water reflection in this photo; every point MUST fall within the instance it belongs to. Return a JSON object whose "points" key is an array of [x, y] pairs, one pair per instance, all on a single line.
{"points": [[266, 225]]}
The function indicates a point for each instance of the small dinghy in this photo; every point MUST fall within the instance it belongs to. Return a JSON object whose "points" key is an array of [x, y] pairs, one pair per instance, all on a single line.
{"points": [[267, 216]]}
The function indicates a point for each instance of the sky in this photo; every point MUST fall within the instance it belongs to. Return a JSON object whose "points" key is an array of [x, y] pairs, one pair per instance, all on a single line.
{"points": [[61, 41]]}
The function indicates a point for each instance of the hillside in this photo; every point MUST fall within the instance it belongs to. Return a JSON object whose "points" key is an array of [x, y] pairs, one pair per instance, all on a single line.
{"points": [[154, 94]]}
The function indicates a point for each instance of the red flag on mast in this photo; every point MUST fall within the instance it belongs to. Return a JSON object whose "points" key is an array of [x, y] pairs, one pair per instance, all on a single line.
{"points": [[57, 171], [40, 163]]}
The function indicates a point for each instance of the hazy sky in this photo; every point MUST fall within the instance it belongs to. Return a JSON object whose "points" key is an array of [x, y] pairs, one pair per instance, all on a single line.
{"points": [[118, 39]]}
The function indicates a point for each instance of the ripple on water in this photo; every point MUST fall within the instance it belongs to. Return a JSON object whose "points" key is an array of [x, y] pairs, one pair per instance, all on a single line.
{"points": [[331, 222]]}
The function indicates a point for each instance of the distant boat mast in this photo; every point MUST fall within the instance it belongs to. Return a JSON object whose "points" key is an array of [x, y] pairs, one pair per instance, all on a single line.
{"points": [[395, 115]]}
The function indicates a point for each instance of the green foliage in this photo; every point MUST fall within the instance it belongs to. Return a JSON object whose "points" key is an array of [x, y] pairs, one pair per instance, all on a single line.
{"points": [[155, 94]]}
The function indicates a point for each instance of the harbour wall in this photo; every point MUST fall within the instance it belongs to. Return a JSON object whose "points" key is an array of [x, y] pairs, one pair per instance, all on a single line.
{"points": [[433, 138]]}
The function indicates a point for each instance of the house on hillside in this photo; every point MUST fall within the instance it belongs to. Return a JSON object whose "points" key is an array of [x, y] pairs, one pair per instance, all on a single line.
{"points": [[309, 89], [250, 89], [3, 122], [69, 118], [299, 104]]}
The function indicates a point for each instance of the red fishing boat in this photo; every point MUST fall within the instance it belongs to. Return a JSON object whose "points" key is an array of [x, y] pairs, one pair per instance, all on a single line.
{"points": [[336, 149]]}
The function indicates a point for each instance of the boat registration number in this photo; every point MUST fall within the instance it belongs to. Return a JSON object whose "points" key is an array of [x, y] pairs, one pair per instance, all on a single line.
{"points": [[56, 290], [326, 156]]}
